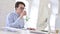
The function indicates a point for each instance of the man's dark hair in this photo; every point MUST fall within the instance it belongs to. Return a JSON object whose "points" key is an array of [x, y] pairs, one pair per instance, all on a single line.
{"points": [[17, 4]]}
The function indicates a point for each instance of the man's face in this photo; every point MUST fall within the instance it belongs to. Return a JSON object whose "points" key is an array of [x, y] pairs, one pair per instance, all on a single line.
{"points": [[20, 8]]}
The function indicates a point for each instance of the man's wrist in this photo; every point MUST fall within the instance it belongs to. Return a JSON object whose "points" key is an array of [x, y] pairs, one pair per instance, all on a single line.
{"points": [[21, 17]]}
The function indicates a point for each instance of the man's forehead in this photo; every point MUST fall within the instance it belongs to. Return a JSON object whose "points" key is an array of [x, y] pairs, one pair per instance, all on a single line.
{"points": [[21, 5]]}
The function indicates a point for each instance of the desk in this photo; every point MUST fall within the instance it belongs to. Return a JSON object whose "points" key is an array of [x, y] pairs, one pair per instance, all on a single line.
{"points": [[21, 31]]}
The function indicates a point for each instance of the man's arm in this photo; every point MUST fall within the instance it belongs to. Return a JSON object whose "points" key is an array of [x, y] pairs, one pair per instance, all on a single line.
{"points": [[16, 23]]}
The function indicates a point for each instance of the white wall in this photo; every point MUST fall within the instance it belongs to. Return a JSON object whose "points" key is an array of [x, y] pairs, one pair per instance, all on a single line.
{"points": [[5, 7]]}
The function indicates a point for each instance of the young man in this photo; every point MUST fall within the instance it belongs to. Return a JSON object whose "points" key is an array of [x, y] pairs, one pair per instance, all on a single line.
{"points": [[15, 19]]}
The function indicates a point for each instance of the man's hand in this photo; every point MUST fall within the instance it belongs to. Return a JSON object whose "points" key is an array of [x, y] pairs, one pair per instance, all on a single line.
{"points": [[31, 28], [22, 14]]}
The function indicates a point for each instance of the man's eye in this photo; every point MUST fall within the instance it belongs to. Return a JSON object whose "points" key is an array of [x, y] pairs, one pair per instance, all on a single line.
{"points": [[21, 8]]}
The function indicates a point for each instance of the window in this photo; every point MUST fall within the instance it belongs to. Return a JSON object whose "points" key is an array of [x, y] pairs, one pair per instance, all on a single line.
{"points": [[54, 7]]}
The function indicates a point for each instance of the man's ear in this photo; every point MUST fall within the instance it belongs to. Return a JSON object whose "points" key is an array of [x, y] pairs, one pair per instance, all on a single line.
{"points": [[15, 8]]}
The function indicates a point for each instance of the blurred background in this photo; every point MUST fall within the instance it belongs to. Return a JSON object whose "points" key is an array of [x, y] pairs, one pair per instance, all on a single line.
{"points": [[42, 14]]}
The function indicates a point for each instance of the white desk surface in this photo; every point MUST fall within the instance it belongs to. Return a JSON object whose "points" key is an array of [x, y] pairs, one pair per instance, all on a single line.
{"points": [[22, 31]]}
